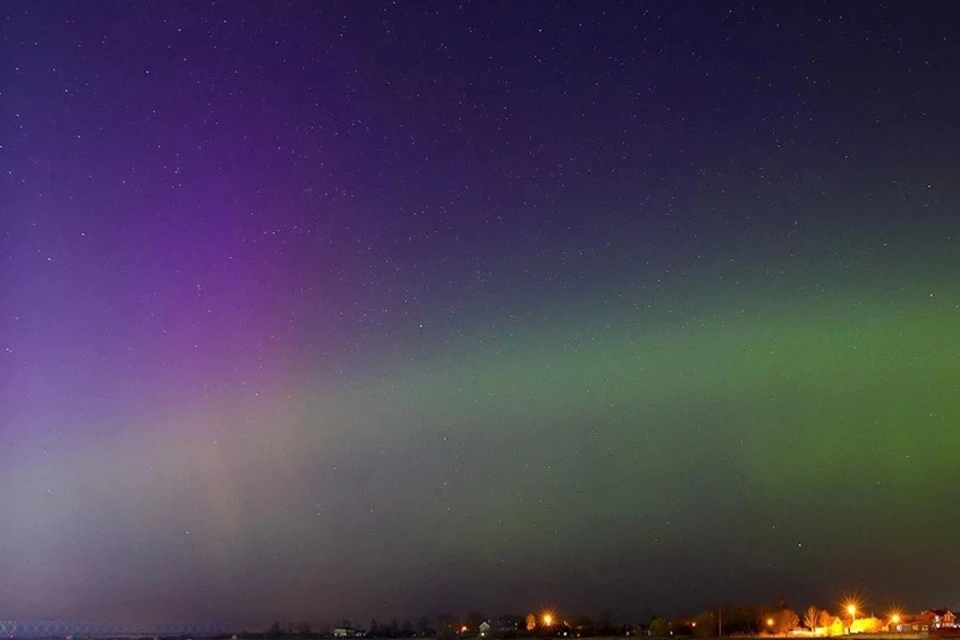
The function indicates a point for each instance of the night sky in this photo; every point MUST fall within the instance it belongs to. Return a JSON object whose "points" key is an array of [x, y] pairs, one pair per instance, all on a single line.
{"points": [[314, 310]]}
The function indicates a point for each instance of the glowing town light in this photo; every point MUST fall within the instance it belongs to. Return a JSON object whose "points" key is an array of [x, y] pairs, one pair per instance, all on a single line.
{"points": [[547, 619]]}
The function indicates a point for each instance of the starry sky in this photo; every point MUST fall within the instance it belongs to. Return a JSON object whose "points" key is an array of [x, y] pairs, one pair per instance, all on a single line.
{"points": [[313, 310]]}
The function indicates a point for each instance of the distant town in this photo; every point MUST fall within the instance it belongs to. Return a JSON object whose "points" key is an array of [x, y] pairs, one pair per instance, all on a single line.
{"points": [[850, 618], [727, 620]]}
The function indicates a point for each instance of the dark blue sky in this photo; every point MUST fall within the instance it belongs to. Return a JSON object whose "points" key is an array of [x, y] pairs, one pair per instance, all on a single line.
{"points": [[317, 310]]}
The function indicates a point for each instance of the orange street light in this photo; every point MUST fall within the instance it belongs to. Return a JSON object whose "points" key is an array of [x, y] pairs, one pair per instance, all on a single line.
{"points": [[895, 618], [852, 610], [547, 619], [769, 622]]}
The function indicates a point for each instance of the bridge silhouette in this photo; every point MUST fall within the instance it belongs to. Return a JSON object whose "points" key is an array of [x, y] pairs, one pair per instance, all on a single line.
{"points": [[79, 630]]}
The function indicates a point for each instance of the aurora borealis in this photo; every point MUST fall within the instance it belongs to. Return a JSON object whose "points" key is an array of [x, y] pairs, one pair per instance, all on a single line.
{"points": [[314, 311]]}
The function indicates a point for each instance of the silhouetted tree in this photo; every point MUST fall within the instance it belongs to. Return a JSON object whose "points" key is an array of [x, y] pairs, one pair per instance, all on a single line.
{"points": [[446, 626], [763, 616], [583, 624], [706, 624], [605, 621], [660, 628], [785, 621], [304, 629], [473, 620], [423, 625], [738, 619], [682, 627], [373, 631], [646, 617], [811, 619]]}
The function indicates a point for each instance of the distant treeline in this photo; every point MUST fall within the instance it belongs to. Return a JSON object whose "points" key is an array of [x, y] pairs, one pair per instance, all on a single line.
{"points": [[728, 619]]}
